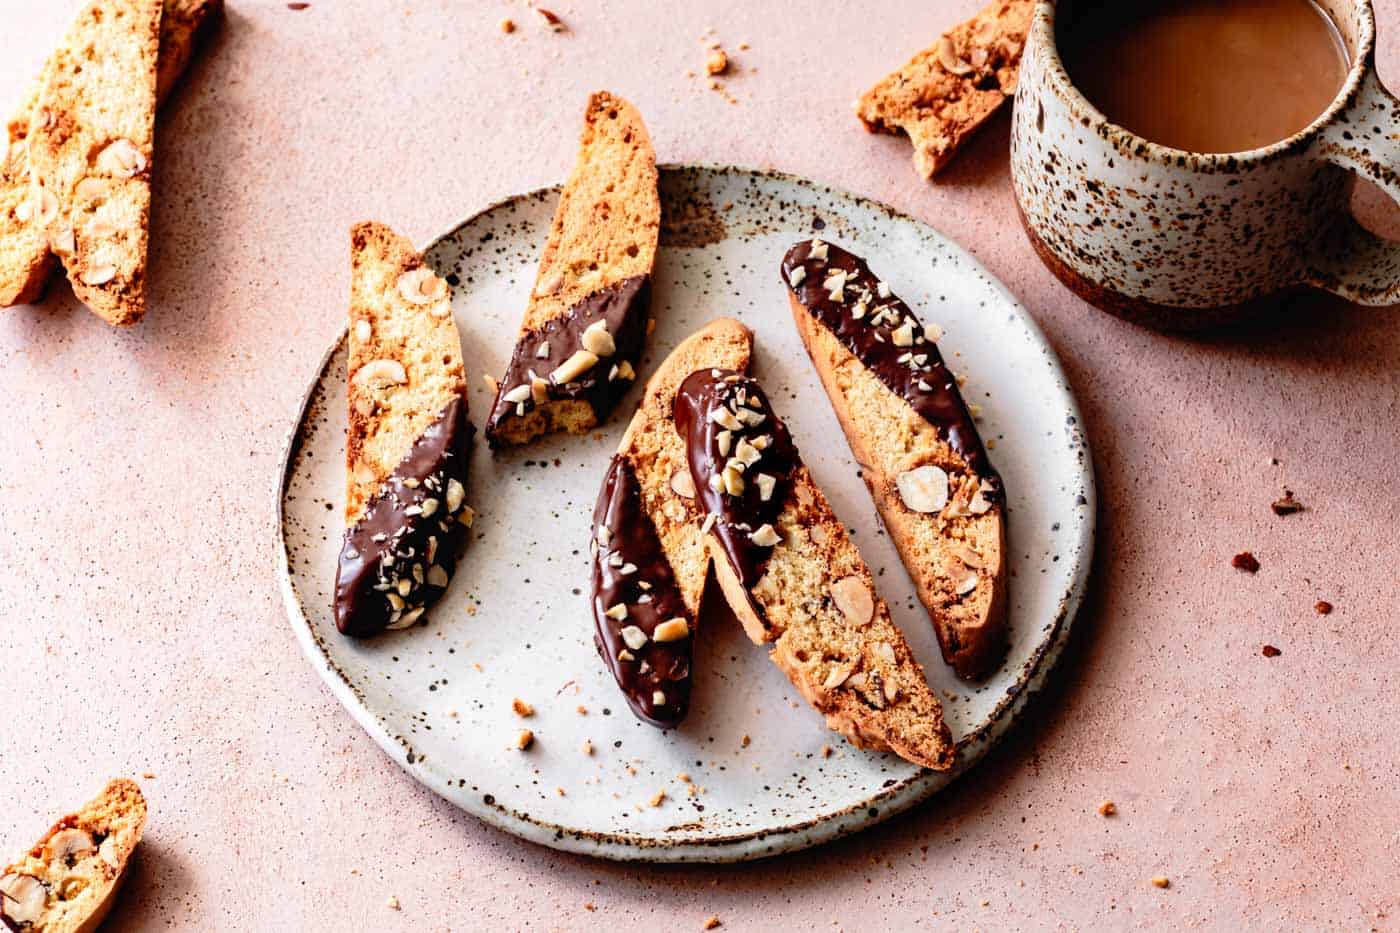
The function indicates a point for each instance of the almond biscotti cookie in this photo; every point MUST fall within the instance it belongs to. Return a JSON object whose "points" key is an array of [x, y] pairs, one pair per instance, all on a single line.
{"points": [[918, 447], [947, 91], [408, 441], [68, 881], [90, 148], [587, 318], [649, 557], [791, 573], [26, 262]]}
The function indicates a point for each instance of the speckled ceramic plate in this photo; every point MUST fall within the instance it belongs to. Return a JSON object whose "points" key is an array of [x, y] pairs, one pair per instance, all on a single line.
{"points": [[745, 775]]}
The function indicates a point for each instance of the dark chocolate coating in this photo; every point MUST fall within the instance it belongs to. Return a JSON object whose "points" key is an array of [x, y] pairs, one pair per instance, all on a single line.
{"points": [[737, 517], [624, 305], [648, 589], [392, 541], [941, 404]]}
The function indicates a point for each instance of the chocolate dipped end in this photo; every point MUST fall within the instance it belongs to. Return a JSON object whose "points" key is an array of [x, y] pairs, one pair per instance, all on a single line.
{"points": [[742, 461], [564, 361], [840, 291], [398, 559], [642, 630]]}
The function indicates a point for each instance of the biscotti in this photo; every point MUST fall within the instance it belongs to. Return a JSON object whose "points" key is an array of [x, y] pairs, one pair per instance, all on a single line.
{"points": [[587, 317], [26, 261], [649, 557], [947, 91], [794, 578], [91, 141], [408, 441], [68, 881], [918, 446]]}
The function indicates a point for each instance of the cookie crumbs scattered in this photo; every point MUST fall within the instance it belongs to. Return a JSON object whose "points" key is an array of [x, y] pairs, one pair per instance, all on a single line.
{"points": [[1108, 808], [712, 921], [1245, 561], [522, 709], [452, 712], [1287, 505], [717, 63], [1271, 652], [551, 21], [744, 742], [525, 739], [477, 665], [507, 25], [589, 906], [986, 903], [492, 385], [1162, 881], [743, 46], [471, 610], [657, 799], [559, 791], [826, 751], [1323, 607], [587, 747], [683, 778], [149, 775], [582, 710], [393, 903]]}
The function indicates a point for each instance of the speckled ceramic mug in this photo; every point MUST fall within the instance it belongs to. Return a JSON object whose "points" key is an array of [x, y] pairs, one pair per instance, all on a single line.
{"points": [[1182, 240]]}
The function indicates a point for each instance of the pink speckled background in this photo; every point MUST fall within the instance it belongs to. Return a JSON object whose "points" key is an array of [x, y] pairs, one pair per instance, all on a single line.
{"points": [[144, 631]]}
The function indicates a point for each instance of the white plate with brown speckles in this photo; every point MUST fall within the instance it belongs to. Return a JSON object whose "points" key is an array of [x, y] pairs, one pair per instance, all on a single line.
{"points": [[516, 620]]}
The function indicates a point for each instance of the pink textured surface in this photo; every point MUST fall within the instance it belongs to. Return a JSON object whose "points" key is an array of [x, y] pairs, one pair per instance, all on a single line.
{"points": [[144, 631]]}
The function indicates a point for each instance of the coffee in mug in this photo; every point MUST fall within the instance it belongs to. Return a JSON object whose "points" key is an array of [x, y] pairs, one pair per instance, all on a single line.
{"points": [[1205, 75]]}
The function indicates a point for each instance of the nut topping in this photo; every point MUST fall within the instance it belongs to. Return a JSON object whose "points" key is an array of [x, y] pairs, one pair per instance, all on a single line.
{"points": [[617, 612], [634, 637], [518, 394], [766, 484], [967, 584], [455, 493], [421, 287], [91, 188], [363, 331], [671, 630], [967, 555], [123, 159], [437, 576], [42, 206], [597, 340], [377, 373], [797, 276], [63, 241], [578, 364], [766, 536], [837, 677], [885, 652], [854, 599], [924, 489]]}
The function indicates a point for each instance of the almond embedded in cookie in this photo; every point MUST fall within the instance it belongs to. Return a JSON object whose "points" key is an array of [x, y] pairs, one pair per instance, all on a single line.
{"points": [[791, 573], [947, 91], [408, 442], [922, 457], [587, 318], [69, 879]]}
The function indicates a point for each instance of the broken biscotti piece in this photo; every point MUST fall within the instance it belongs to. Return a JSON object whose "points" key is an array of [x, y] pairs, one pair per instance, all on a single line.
{"points": [[949, 90], [90, 148], [68, 881], [649, 558], [587, 318], [26, 262], [915, 439], [408, 442], [792, 575]]}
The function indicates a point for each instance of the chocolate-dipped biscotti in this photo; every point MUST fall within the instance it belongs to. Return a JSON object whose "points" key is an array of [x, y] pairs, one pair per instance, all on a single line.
{"points": [[408, 442], [26, 261], [649, 559], [915, 439], [587, 318], [68, 881], [792, 575]]}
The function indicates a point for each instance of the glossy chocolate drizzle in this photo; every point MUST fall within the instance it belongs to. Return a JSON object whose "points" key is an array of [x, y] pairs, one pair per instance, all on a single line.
{"points": [[623, 305], [712, 448], [914, 371], [630, 569], [393, 560]]}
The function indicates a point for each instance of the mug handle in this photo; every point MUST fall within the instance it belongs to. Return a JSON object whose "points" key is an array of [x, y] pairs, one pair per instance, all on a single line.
{"points": [[1349, 260]]}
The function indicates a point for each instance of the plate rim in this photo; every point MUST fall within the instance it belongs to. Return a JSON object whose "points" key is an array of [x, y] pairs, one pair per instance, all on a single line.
{"points": [[759, 843]]}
